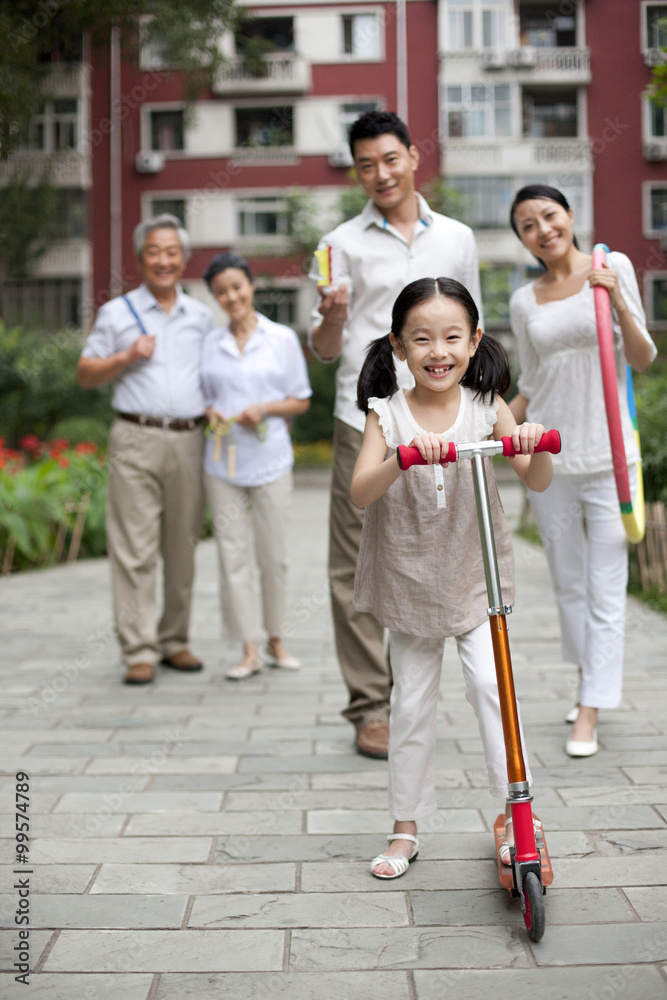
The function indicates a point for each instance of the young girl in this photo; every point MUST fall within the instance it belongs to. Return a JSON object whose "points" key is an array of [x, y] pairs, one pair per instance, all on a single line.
{"points": [[420, 569]]}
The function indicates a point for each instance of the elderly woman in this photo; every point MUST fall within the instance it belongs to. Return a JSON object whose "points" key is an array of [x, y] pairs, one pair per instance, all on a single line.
{"points": [[254, 377]]}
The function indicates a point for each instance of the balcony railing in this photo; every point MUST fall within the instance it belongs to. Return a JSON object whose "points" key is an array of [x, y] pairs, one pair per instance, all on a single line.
{"points": [[564, 64], [515, 156], [283, 73]]}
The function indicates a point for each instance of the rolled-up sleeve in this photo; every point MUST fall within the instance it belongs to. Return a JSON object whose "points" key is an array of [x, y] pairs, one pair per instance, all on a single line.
{"points": [[630, 291], [100, 342]]}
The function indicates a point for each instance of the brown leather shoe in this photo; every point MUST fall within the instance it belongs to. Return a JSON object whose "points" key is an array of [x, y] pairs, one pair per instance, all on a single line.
{"points": [[139, 673], [182, 660], [373, 740]]}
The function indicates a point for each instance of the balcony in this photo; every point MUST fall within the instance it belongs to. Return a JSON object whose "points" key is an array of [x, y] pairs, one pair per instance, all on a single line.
{"points": [[540, 65], [67, 169], [520, 156], [283, 73], [66, 259]]}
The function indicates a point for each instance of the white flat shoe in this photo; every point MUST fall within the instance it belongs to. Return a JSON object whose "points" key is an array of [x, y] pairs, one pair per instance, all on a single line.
{"points": [[284, 662], [400, 865], [573, 714], [582, 748], [243, 670]]}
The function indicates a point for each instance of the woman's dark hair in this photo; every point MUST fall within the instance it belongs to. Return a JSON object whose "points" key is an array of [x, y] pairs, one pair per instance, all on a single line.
{"points": [[488, 372], [222, 262], [544, 192]]}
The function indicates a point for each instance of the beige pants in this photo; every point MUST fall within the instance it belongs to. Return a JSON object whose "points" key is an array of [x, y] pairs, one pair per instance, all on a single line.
{"points": [[359, 637], [241, 515], [154, 506]]}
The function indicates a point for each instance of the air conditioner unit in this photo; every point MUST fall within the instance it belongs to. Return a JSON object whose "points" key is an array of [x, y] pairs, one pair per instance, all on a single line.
{"points": [[149, 162], [655, 151], [494, 59], [341, 157], [524, 58]]}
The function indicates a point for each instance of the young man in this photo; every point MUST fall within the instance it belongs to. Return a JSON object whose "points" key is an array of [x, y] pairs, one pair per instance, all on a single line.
{"points": [[396, 239], [148, 344]]}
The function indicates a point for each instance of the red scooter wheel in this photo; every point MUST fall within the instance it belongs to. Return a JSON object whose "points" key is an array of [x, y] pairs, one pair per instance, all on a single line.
{"points": [[534, 913]]}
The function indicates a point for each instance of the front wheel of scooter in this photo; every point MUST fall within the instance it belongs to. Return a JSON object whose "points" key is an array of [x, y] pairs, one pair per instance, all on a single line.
{"points": [[534, 915]]}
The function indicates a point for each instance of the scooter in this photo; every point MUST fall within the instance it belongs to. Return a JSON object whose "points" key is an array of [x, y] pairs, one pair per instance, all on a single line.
{"points": [[530, 871]]}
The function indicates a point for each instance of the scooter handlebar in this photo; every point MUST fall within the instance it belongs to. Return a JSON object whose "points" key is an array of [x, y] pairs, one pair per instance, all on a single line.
{"points": [[407, 456]]}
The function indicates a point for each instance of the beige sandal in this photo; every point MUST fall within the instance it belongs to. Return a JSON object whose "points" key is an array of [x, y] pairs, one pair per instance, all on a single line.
{"points": [[245, 669]]}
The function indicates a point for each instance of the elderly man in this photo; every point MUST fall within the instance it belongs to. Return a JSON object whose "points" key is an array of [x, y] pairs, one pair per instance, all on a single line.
{"points": [[148, 343]]}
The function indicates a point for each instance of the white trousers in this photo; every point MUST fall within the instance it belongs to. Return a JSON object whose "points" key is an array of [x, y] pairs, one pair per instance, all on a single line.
{"points": [[416, 663], [580, 523], [242, 514]]}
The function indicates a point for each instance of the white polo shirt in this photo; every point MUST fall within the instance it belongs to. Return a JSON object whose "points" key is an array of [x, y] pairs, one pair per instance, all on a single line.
{"points": [[376, 263], [270, 367], [166, 385]]}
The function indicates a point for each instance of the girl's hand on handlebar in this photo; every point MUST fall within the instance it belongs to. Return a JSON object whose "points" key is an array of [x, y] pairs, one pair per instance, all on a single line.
{"points": [[429, 446], [525, 437]]}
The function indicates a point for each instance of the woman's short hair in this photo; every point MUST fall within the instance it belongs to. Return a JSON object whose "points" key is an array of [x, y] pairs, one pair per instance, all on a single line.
{"points": [[163, 221], [222, 261]]}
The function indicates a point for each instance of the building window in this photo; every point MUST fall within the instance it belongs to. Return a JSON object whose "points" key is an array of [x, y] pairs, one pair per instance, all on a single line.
{"points": [[279, 304], [657, 300], [269, 34], [349, 114], [541, 26], [657, 209], [170, 206], [71, 213], [262, 216], [167, 131], [361, 36], [265, 126], [655, 25], [475, 24], [485, 201], [550, 114], [56, 128], [55, 301], [478, 111], [657, 121]]}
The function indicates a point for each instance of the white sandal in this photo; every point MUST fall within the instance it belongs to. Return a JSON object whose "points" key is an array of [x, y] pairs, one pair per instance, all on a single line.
{"points": [[505, 851], [399, 864], [243, 670]]}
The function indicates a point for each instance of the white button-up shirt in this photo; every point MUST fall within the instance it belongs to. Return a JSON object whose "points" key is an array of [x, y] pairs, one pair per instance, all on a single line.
{"points": [[166, 385], [376, 263], [270, 367]]}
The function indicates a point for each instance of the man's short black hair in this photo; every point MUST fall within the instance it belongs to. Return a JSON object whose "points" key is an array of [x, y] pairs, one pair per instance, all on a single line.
{"points": [[374, 123]]}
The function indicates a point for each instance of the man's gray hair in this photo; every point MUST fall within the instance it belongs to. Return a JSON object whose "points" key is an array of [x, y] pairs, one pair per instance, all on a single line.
{"points": [[164, 221]]}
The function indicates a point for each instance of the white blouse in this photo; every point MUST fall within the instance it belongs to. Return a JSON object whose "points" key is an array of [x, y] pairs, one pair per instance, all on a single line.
{"points": [[270, 367], [560, 370]]}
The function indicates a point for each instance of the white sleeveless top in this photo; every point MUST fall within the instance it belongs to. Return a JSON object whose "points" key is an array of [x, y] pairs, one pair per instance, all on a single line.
{"points": [[420, 569]]}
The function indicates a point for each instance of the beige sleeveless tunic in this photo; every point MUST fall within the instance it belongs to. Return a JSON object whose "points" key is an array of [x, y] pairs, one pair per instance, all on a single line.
{"points": [[420, 568]]}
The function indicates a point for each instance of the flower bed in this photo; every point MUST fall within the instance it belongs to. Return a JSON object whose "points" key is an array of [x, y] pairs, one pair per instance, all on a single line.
{"points": [[52, 499]]}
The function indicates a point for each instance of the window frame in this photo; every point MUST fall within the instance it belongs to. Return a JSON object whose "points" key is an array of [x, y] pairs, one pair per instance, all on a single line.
{"points": [[243, 203], [489, 108], [263, 106], [646, 43], [649, 278], [351, 57], [147, 111]]}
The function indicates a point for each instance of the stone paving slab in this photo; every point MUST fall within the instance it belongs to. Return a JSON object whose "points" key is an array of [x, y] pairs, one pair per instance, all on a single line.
{"points": [[197, 839]]}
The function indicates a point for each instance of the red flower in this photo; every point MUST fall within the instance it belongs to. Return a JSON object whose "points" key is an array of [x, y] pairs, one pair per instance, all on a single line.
{"points": [[63, 462], [30, 442], [85, 448]]}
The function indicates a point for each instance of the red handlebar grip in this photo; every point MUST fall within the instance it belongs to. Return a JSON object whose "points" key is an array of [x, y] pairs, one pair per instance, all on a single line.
{"points": [[411, 456], [550, 441]]}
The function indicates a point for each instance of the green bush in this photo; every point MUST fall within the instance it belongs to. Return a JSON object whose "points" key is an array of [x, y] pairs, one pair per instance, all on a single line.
{"points": [[38, 387], [316, 424], [651, 395], [78, 429]]}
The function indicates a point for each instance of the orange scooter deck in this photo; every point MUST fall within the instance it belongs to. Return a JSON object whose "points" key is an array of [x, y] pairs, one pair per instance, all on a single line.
{"points": [[505, 871]]}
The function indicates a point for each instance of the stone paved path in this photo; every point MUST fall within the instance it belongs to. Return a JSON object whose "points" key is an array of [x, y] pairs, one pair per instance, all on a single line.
{"points": [[199, 839]]}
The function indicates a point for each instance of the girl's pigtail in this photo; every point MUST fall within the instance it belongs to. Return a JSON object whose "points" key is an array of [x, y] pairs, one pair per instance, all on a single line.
{"points": [[378, 374], [489, 371]]}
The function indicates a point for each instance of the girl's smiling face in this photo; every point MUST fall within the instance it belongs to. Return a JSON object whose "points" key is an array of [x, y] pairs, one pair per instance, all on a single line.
{"points": [[545, 228], [437, 343]]}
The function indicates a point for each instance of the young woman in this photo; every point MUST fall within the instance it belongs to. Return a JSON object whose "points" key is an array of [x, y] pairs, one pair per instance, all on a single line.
{"points": [[420, 569], [254, 376], [553, 319]]}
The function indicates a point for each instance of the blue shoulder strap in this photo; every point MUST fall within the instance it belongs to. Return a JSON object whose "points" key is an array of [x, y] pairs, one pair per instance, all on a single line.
{"points": [[136, 315]]}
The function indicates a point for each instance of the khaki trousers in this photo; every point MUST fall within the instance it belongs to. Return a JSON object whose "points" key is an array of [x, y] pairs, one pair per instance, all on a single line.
{"points": [[154, 506], [241, 513], [359, 637]]}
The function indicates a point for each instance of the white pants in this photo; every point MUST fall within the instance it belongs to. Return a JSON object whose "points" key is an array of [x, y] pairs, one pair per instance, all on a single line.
{"points": [[580, 523], [416, 664], [239, 513]]}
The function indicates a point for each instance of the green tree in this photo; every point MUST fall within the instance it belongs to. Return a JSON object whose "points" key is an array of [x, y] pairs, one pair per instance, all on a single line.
{"points": [[658, 89]]}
